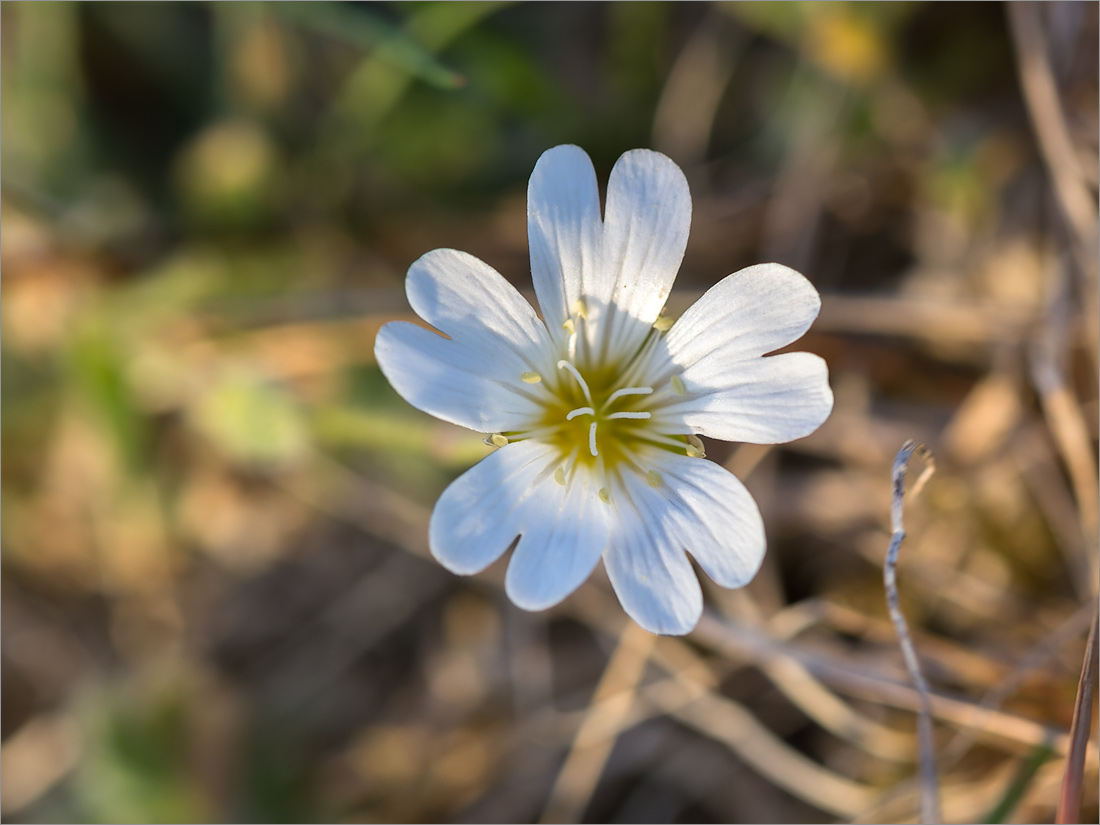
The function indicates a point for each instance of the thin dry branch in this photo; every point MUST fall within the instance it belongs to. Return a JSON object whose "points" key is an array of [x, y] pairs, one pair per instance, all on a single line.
{"points": [[1069, 803], [730, 723], [1040, 653], [930, 797], [1049, 121], [592, 745]]}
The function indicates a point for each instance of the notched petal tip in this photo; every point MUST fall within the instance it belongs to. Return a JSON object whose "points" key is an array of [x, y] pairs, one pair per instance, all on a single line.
{"points": [[538, 584], [655, 585], [790, 281], [754, 311], [387, 349], [562, 153], [652, 162], [813, 397], [480, 514], [672, 623], [564, 177]]}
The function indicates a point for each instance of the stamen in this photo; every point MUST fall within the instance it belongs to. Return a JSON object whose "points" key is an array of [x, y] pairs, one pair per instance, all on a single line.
{"points": [[498, 440], [537, 433], [695, 447], [629, 391], [563, 364], [635, 415], [605, 495], [559, 476], [530, 378], [657, 439], [579, 411], [579, 309], [592, 440], [664, 323], [569, 326], [678, 385], [654, 478]]}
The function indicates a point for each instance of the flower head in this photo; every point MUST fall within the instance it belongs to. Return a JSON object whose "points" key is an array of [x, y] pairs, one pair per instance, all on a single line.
{"points": [[595, 409]]}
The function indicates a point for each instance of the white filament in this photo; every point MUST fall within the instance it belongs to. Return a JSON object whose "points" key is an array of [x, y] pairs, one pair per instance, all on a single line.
{"points": [[629, 391], [563, 364]]}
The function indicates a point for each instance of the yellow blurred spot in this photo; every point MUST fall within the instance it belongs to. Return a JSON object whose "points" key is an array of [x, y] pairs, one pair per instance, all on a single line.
{"points": [[846, 45], [228, 170]]}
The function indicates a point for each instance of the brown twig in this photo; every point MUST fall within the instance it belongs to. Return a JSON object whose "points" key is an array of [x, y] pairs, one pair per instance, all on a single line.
{"points": [[930, 798], [736, 639], [1010, 682], [592, 746], [1069, 803], [1049, 122]]}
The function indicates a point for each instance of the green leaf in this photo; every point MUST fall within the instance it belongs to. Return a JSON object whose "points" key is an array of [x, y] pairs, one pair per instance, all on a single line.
{"points": [[1019, 785], [365, 31]]}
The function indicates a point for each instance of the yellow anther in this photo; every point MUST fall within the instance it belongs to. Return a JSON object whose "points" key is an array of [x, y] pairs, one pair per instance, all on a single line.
{"points": [[664, 323], [569, 326], [579, 309], [605, 495], [678, 385], [654, 478], [695, 447], [498, 440], [559, 476], [530, 378]]}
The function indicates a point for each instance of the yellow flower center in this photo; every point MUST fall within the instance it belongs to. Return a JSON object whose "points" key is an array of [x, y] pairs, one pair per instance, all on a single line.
{"points": [[595, 418], [592, 418]]}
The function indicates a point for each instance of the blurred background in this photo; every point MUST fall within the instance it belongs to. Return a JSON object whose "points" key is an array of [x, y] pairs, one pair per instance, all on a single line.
{"points": [[217, 599]]}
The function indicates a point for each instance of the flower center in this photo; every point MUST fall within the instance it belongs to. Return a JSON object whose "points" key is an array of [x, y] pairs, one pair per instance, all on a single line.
{"points": [[600, 414], [607, 411]]}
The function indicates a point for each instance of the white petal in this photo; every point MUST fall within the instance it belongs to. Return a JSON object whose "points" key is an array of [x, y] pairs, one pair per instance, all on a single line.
{"points": [[474, 378], [563, 230], [749, 313], [761, 401], [450, 381], [646, 562], [565, 531], [715, 518], [480, 514], [646, 226], [474, 305]]}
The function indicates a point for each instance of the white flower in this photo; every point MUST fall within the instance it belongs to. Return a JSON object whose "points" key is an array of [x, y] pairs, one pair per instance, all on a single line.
{"points": [[596, 410]]}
